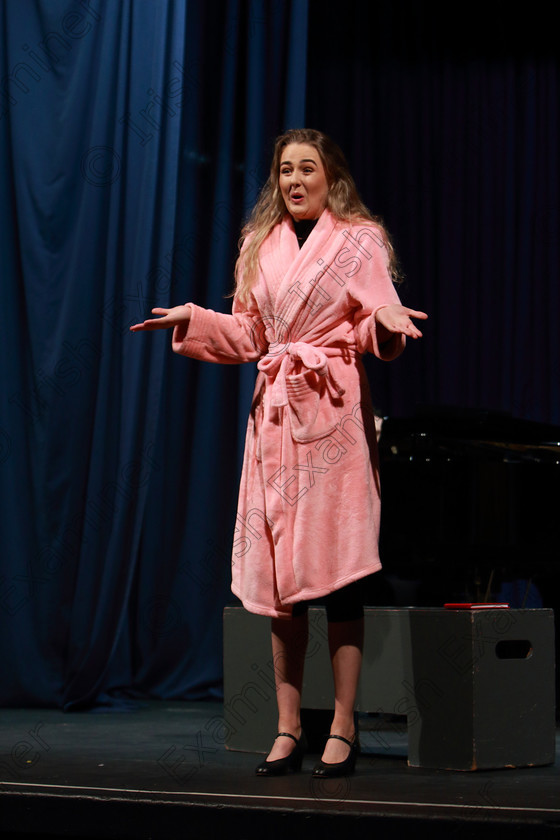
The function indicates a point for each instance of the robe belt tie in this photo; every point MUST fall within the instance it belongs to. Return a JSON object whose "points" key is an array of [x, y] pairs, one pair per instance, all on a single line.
{"points": [[276, 366]]}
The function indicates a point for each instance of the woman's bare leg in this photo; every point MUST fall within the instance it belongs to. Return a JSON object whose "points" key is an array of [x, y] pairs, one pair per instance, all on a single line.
{"points": [[346, 641], [289, 646]]}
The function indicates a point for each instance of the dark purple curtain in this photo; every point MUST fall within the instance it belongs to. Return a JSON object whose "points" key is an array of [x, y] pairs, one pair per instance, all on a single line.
{"points": [[450, 121]]}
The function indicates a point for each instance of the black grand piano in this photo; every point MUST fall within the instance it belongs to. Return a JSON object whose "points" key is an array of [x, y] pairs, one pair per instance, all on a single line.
{"points": [[469, 499]]}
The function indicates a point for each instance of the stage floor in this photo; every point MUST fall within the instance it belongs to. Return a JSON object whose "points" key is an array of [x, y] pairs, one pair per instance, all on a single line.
{"points": [[162, 771]]}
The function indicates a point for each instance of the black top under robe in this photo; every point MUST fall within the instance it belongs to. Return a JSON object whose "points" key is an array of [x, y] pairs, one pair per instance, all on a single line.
{"points": [[303, 228]]}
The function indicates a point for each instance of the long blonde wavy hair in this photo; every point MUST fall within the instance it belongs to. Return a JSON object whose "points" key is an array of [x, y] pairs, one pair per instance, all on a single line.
{"points": [[343, 202]]}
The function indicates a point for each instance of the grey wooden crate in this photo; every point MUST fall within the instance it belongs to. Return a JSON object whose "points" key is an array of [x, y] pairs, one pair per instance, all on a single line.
{"points": [[476, 687]]}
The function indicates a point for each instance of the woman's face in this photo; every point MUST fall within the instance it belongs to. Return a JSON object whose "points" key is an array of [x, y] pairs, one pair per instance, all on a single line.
{"points": [[302, 181]]}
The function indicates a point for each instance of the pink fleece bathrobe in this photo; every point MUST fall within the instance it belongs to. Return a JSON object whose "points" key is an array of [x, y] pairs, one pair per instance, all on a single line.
{"points": [[309, 506]]}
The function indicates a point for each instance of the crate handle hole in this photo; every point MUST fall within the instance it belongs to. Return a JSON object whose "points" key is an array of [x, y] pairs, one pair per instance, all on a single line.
{"points": [[514, 649]]}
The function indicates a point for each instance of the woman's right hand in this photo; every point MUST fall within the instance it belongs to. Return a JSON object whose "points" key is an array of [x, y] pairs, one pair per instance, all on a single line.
{"points": [[170, 318]]}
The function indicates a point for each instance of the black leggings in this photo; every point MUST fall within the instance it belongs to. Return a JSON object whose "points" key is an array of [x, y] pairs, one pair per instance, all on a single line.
{"points": [[346, 604]]}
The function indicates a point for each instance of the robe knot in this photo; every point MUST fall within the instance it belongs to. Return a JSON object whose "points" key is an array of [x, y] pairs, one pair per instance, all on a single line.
{"points": [[279, 365]]}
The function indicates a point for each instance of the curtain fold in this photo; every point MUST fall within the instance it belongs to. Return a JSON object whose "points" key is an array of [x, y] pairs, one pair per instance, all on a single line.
{"points": [[124, 131]]}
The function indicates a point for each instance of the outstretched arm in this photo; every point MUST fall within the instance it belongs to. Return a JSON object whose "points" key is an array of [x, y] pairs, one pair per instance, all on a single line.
{"points": [[207, 335]]}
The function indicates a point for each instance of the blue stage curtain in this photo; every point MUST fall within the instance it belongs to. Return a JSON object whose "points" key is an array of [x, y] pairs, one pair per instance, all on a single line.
{"points": [[451, 127], [134, 135]]}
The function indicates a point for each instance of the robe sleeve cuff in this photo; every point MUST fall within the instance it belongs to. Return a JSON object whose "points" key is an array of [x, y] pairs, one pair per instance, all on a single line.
{"points": [[389, 349], [188, 337]]}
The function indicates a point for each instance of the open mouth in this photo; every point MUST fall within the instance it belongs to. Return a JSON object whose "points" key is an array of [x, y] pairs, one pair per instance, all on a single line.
{"points": [[296, 197]]}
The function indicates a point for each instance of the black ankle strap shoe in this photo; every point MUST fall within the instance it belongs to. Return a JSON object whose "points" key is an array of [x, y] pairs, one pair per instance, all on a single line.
{"points": [[289, 764], [324, 770]]}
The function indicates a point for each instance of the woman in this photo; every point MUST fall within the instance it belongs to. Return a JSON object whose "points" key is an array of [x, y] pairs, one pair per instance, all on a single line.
{"points": [[314, 291]]}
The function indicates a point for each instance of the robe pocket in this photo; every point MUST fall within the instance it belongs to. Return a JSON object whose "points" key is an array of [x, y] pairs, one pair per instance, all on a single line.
{"points": [[311, 410]]}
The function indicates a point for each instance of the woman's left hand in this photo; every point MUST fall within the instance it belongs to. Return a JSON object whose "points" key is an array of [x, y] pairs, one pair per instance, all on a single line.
{"points": [[397, 319]]}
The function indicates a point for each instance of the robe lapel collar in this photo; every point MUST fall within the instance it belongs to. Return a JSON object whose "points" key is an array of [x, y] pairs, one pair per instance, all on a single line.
{"points": [[291, 298]]}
